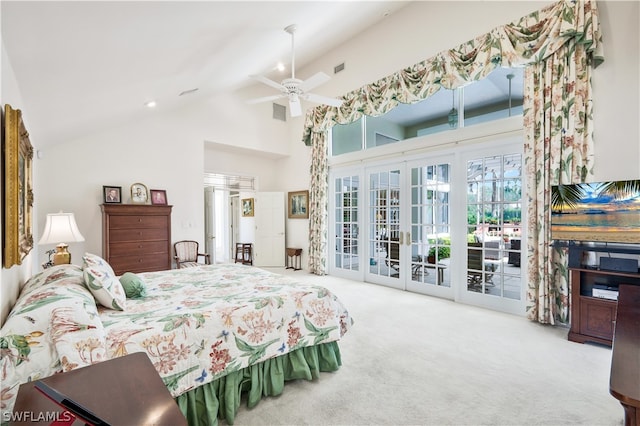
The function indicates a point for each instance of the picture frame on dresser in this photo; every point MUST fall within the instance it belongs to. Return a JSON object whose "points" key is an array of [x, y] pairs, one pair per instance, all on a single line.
{"points": [[158, 197], [112, 194], [139, 193]]}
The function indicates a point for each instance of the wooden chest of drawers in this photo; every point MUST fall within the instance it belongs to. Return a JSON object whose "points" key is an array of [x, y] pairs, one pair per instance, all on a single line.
{"points": [[136, 237]]}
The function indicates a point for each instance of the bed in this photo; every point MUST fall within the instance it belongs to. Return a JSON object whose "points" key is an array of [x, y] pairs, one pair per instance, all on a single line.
{"points": [[215, 333]]}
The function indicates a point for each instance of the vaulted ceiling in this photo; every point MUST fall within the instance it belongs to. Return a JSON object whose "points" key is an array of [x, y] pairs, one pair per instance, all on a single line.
{"points": [[82, 66]]}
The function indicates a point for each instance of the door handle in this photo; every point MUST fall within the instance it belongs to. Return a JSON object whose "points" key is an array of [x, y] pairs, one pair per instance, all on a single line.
{"points": [[400, 238]]}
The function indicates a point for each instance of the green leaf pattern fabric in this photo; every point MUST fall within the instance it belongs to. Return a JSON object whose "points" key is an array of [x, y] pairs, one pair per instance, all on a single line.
{"points": [[559, 44], [53, 327], [197, 325]]}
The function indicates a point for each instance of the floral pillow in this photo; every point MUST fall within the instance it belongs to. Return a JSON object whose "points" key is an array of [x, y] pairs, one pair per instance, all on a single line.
{"points": [[103, 283], [56, 274], [51, 329]]}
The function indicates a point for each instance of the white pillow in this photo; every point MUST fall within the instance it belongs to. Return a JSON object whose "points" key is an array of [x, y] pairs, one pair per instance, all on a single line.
{"points": [[102, 282]]}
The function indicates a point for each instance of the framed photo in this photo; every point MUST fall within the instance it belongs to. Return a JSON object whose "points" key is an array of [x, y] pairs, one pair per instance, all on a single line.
{"points": [[112, 194], [17, 190], [158, 197], [299, 205], [247, 207], [139, 193]]}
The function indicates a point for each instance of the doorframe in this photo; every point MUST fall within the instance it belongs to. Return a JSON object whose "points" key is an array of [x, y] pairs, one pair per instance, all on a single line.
{"points": [[508, 141], [388, 281], [357, 275], [446, 292], [503, 146]]}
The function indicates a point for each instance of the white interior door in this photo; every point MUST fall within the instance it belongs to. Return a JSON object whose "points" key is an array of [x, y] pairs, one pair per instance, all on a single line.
{"points": [[234, 224], [269, 214], [210, 223]]}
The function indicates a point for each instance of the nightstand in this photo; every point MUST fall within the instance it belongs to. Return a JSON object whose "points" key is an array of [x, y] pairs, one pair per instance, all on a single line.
{"points": [[122, 391]]}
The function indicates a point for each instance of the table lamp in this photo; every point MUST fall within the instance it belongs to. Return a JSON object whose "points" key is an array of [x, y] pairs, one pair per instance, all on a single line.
{"points": [[60, 229]]}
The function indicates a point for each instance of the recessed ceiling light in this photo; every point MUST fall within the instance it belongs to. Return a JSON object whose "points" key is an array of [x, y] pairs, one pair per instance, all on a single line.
{"points": [[150, 104], [280, 66]]}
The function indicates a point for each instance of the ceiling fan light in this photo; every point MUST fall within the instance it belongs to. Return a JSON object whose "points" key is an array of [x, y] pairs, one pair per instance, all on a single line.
{"points": [[295, 89]]}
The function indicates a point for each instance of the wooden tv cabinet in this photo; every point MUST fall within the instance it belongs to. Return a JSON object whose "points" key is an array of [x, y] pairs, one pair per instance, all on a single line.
{"points": [[593, 318]]}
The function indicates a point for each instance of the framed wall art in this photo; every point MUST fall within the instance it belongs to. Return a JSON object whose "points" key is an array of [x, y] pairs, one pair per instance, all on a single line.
{"points": [[298, 205], [112, 194], [158, 197], [247, 207], [18, 188]]}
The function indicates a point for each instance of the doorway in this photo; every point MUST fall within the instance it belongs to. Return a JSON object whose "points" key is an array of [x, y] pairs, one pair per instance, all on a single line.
{"points": [[444, 224], [222, 212], [409, 231]]}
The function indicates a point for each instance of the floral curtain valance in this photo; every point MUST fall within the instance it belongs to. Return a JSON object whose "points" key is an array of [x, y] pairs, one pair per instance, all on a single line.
{"points": [[559, 44], [531, 39]]}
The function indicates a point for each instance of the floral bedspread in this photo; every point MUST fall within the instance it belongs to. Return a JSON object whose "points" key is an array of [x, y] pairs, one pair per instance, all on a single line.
{"points": [[198, 324], [195, 324]]}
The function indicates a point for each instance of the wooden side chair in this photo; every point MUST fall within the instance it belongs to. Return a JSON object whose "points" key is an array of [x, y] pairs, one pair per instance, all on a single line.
{"points": [[187, 254]]}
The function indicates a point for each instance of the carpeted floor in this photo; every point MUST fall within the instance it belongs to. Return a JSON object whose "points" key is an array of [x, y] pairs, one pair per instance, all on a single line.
{"points": [[417, 360]]}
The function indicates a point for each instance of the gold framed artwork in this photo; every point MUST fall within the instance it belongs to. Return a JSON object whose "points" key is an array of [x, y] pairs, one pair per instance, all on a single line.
{"points": [[18, 188], [298, 205], [247, 207]]}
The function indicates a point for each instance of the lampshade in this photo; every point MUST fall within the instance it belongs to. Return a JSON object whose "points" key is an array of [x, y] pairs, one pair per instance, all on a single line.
{"points": [[61, 228]]}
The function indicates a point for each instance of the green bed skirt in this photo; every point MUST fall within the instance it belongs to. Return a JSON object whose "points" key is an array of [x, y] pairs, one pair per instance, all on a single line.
{"points": [[221, 398]]}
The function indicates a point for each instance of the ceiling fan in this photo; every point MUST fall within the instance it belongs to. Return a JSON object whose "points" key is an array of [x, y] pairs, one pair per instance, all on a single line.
{"points": [[295, 89]]}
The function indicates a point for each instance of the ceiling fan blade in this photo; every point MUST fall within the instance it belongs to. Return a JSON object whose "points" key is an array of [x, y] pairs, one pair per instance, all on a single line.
{"points": [[266, 99], [323, 100], [295, 109], [314, 81], [268, 82]]}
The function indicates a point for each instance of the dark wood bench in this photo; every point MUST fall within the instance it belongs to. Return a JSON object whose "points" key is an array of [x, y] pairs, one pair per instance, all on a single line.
{"points": [[624, 383]]}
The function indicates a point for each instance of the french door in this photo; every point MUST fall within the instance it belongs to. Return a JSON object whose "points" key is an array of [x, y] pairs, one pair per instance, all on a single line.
{"points": [[447, 225], [408, 240]]}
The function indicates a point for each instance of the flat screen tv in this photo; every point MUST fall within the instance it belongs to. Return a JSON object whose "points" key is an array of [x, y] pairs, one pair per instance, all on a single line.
{"points": [[598, 212]]}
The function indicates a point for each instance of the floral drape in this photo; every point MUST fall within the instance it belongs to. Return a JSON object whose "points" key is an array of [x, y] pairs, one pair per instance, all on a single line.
{"points": [[318, 214], [555, 31], [558, 149]]}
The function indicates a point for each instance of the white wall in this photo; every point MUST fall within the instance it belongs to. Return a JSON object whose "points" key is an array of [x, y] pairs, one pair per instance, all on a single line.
{"points": [[166, 151], [616, 87], [12, 278]]}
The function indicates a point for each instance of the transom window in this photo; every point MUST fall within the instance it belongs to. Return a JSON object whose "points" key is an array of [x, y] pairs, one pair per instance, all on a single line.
{"points": [[499, 95]]}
